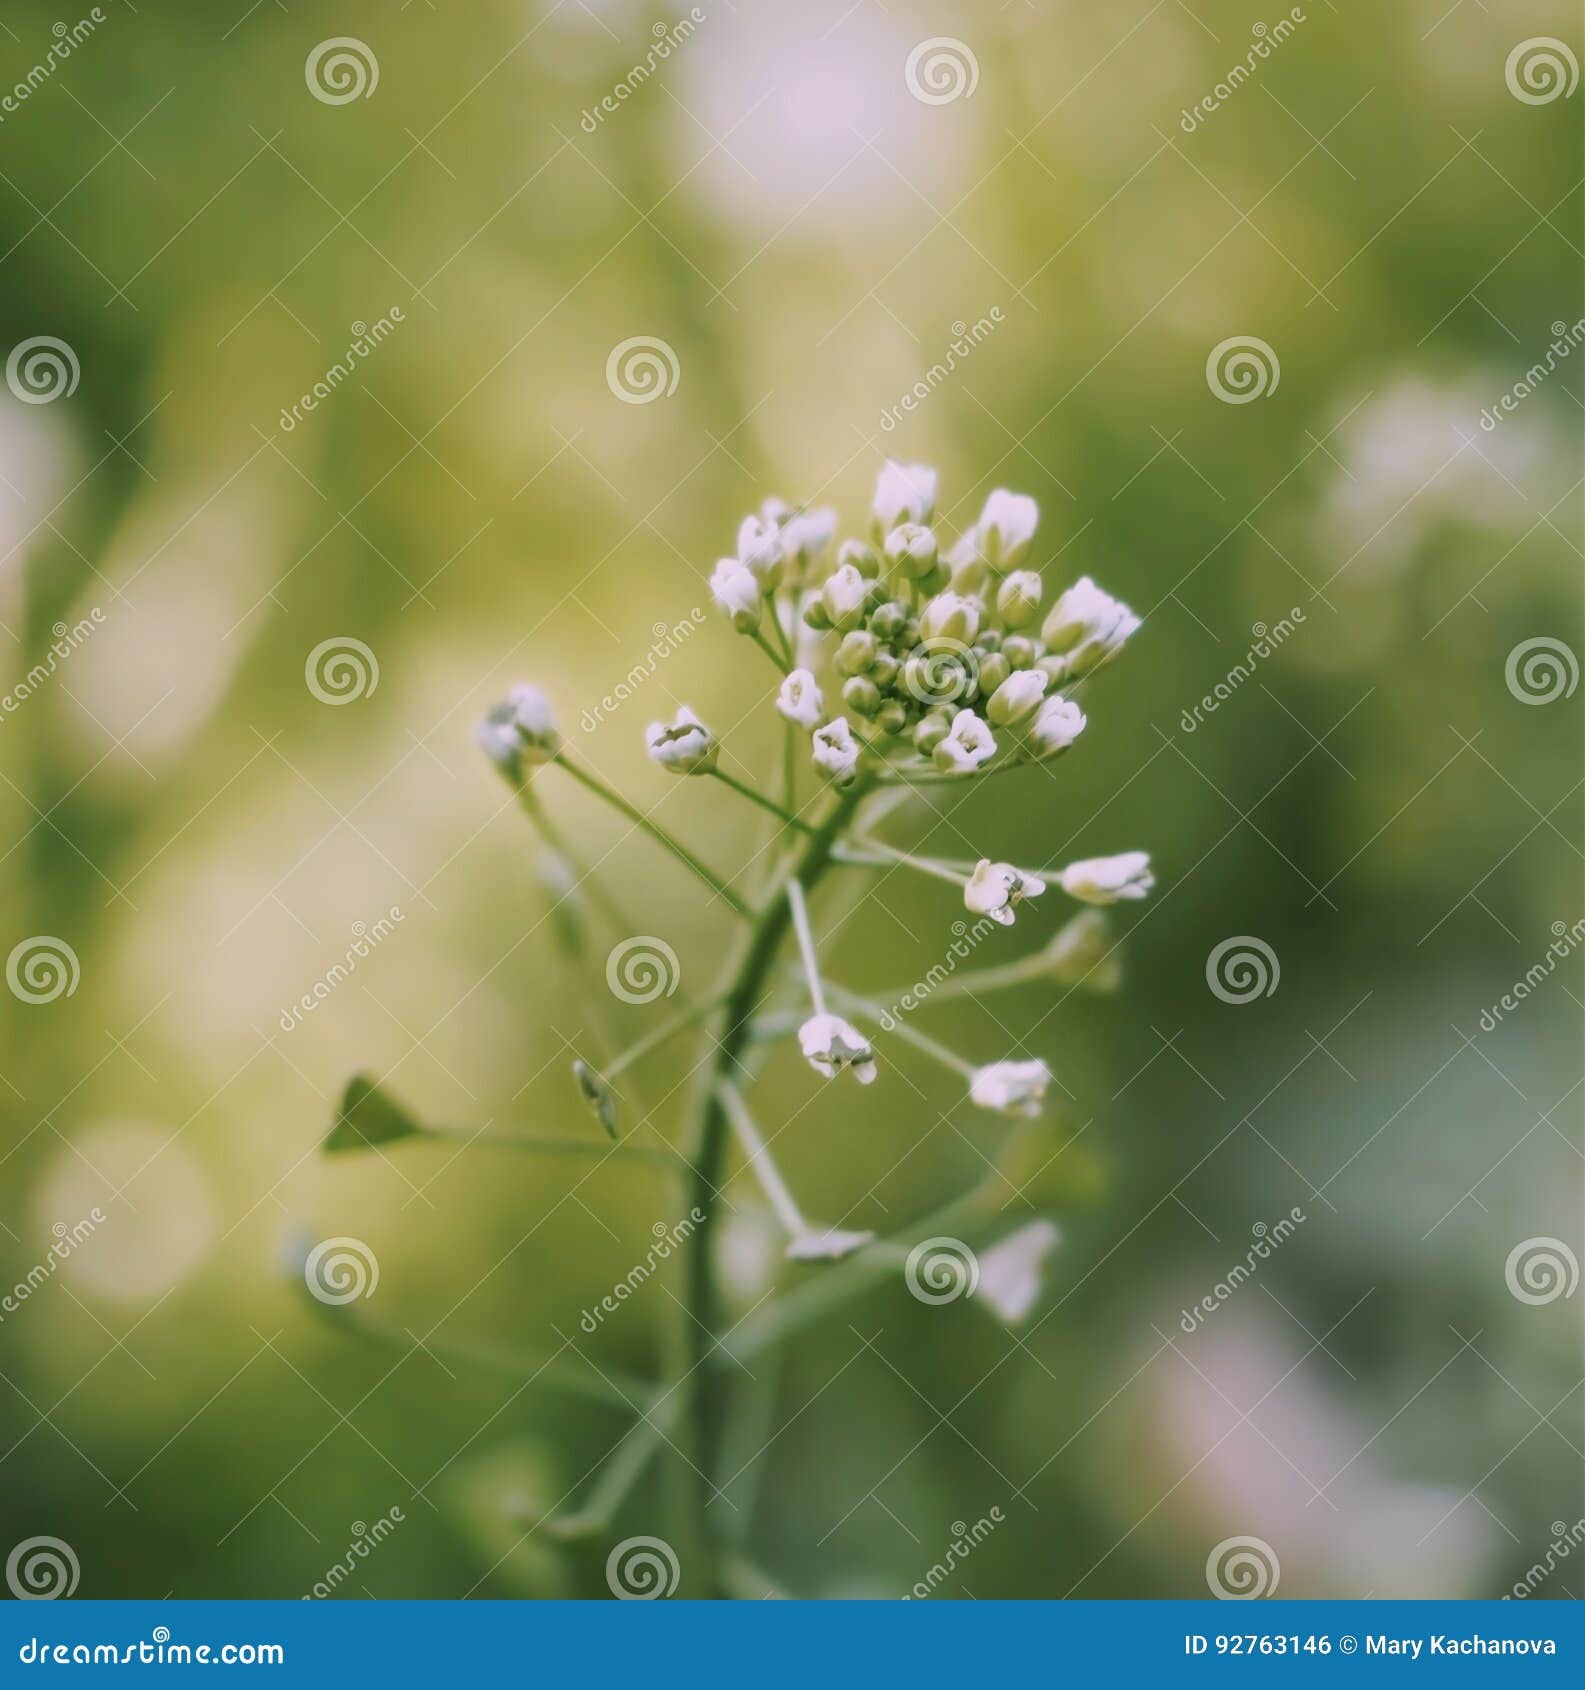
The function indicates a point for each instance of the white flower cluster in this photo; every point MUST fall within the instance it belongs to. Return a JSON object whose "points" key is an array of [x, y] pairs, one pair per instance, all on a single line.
{"points": [[941, 660]]}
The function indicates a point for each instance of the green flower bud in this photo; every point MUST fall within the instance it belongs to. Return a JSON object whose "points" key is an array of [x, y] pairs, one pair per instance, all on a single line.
{"points": [[863, 558], [816, 617], [911, 550], [890, 620], [861, 694], [934, 728], [856, 652], [990, 639], [1018, 601], [883, 671], [994, 670], [1021, 651], [892, 717]]}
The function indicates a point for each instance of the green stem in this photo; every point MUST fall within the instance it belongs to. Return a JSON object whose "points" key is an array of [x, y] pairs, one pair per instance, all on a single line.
{"points": [[889, 853], [759, 798], [782, 663], [806, 942], [977, 980], [655, 831], [668, 1029], [761, 1161], [557, 841], [746, 975]]}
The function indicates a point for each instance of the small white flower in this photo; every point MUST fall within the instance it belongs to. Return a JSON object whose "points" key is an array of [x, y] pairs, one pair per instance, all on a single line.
{"points": [[1089, 626], [830, 1246], [759, 550], [1010, 1270], [951, 616], [1017, 698], [967, 746], [997, 889], [1011, 1088], [1109, 880], [737, 593], [1081, 953], [911, 549], [1059, 723], [687, 747], [799, 699], [1006, 528], [903, 493], [523, 729], [806, 534], [843, 596], [831, 1044], [835, 751], [1018, 599]]}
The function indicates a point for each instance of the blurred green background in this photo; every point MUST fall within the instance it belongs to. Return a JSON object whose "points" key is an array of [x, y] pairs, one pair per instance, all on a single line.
{"points": [[475, 504]]}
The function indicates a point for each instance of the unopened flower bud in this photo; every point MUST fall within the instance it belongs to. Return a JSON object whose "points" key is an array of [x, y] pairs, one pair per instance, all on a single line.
{"points": [[1109, 880], [865, 559], [737, 593], [1017, 698], [1082, 953], [889, 620], [843, 596], [911, 550], [932, 730], [903, 493], [883, 671], [892, 717], [806, 534], [1018, 599], [1021, 651], [687, 747], [1006, 528], [816, 615], [1011, 1088], [861, 694], [950, 616], [1088, 627], [799, 699], [994, 670], [856, 652], [759, 550]]}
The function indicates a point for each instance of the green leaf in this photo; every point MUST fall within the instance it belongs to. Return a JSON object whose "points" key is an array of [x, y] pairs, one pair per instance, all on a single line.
{"points": [[367, 1117]]}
